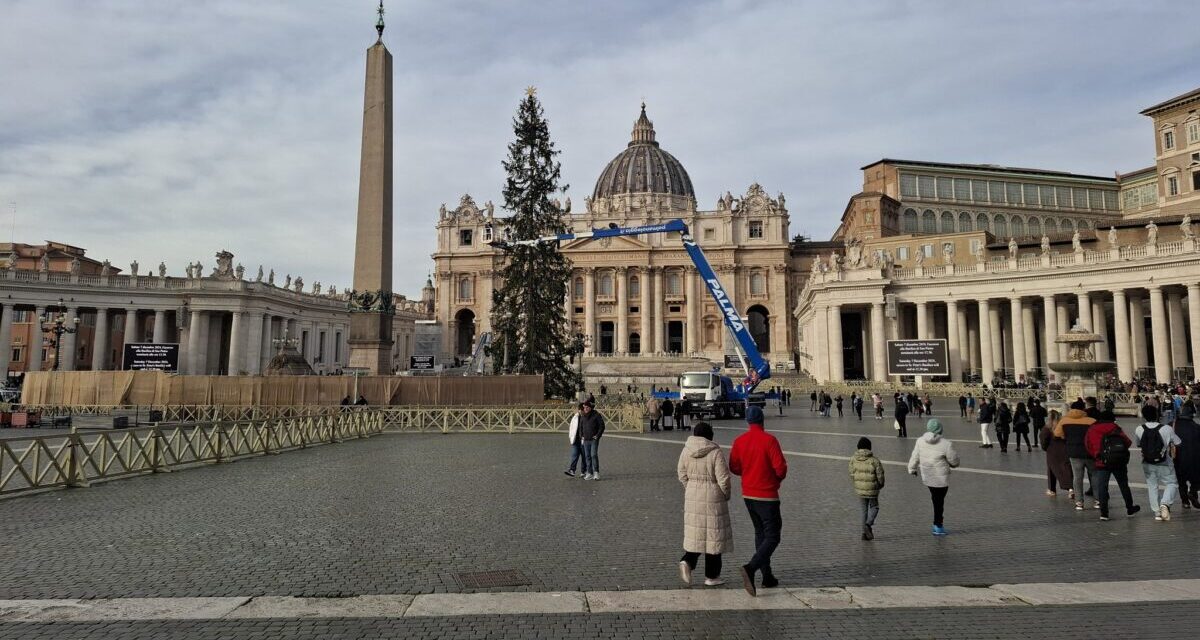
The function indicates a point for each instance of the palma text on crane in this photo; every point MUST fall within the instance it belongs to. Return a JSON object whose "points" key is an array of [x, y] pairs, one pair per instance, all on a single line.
{"points": [[727, 307]]}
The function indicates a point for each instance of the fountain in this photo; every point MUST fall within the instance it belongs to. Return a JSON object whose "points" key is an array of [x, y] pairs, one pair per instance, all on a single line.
{"points": [[1081, 367]]}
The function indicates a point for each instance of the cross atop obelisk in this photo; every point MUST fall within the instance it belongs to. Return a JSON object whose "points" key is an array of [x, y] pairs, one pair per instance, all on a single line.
{"points": [[371, 305]]}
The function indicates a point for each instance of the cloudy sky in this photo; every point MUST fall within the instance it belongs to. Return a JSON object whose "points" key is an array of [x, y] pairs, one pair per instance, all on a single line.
{"points": [[171, 130]]}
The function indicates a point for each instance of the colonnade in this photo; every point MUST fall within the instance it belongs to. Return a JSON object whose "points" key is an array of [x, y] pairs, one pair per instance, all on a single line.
{"points": [[1150, 332]]}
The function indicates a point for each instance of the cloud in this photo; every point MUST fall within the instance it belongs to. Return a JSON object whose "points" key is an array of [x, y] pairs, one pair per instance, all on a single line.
{"points": [[169, 131]]}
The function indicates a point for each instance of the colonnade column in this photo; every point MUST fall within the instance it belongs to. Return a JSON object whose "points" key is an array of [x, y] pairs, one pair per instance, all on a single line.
{"points": [[964, 342], [878, 344], [645, 337], [100, 341], [953, 341], [837, 370], [973, 355], [589, 309], [236, 349], [1049, 331], [995, 334], [1137, 331], [160, 326], [1020, 366], [1100, 328], [622, 283], [1084, 316], [1158, 326], [6, 318], [266, 351], [693, 311], [1175, 319], [33, 360], [1030, 326], [922, 321], [1193, 295], [131, 326], [254, 345], [1121, 328], [986, 342], [659, 342], [821, 344], [66, 360], [1064, 325], [195, 358]]}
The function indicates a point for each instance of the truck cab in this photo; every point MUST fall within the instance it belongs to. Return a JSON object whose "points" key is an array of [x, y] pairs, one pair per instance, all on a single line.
{"points": [[710, 393]]}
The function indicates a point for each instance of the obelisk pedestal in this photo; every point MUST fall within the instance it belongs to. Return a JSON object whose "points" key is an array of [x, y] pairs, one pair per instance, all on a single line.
{"points": [[371, 305]]}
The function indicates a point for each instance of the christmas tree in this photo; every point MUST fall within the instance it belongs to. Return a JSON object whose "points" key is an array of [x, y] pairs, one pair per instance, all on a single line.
{"points": [[531, 335]]}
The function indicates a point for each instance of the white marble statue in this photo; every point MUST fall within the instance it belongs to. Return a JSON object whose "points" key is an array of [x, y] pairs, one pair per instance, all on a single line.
{"points": [[835, 262], [442, 211], [299, 284], [316, 289], [1112, 236], [919, 259], [947, 253], [106, 269], [44, 263], [76, 267], [199, 269], [239, 271], [162, 269], [491, 209], [287, 282], [271, 278], [1076, 243], [1012, 248], [1151, 233], [1185, 226], [1045, 244], [133, 268], [259, 277]]}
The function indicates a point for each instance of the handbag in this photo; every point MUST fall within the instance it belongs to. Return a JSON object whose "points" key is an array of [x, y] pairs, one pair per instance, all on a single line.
{"points": [[896, 425]]}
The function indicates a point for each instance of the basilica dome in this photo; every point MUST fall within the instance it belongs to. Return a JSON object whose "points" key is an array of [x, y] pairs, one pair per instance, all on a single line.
{"points": [[643, 167]]}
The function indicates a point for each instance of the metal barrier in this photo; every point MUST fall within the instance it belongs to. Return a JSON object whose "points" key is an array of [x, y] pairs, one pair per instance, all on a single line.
{"points": [[76, 459], [503, 419]]}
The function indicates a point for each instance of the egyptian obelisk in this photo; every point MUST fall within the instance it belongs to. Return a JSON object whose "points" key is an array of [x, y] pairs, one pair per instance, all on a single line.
{"points": [[371, 306]]}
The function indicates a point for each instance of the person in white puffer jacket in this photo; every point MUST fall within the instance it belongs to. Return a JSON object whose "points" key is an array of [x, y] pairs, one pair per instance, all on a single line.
{"points": [[934, 457]]}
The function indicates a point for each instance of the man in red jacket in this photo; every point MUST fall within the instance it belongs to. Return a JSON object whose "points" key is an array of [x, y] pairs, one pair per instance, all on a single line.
{"points": [[1111, 461], [757, 458]]}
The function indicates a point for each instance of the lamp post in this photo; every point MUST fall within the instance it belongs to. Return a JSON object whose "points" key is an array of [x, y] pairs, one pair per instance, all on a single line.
{"points": [[58, 322]]}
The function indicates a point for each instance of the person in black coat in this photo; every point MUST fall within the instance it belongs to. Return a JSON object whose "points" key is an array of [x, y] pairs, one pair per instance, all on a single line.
{"points": [[900, 415], [1003, 425], [1021, 426], [1187, 457], [668, 409]]}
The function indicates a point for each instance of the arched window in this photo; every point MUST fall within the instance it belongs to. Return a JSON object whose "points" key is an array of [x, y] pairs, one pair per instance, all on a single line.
{"points": [[674, 283], [1035, 226], [1051, 226], [964, 222], [1018, 226], [982, 223], [465, 289], [635, 286], [758, 283], [577, 289], [947, 222], [910, 221], [1000, 226], [606, 285], [928, 222]]}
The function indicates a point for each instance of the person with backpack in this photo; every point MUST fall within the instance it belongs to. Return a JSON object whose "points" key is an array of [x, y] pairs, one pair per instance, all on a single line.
{"points": [[1003, 425], [1187, 456], [1021, 427], [1157, 442], [1109, 448], [933, 456], [987, 412], [866, 472], [1074, 427]]}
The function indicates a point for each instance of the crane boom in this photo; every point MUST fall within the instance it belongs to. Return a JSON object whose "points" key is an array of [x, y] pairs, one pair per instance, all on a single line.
{"points": [[756, 368]]}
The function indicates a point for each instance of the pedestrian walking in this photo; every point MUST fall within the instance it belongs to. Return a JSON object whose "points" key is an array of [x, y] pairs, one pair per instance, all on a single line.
{"points": [[1157, 442], [1058, 463], [1074, 427], [758, 459], [1021, 423], [1003, 426], [654, 409], [681, 414], [577, 454], [962, 406], [668, 409], [1109, 448], [857, 403], [987, 413], [970, 406], [707, 486], [866, 471], [928, 403], [1187, 457], [899, 417], [933, 457], [838, 401], [877, 402], [813, 396], [591, 427]]}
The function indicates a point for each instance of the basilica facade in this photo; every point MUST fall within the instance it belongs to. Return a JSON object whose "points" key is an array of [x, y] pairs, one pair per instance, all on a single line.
{"points": [[640, 295]]}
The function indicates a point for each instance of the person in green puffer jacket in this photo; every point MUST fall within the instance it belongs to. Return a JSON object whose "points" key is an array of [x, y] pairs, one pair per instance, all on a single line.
{"points": [[867, 473]]}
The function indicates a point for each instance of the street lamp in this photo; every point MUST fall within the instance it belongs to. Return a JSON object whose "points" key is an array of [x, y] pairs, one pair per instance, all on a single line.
{"points": [[58, 326]]}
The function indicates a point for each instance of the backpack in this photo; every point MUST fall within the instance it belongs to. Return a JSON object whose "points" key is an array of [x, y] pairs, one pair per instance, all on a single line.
{"points": [[1153, 449], [1113, 450]]}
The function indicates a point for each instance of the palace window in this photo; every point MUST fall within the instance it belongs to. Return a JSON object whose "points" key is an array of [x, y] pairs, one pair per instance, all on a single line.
{"points": [[925, 187], [1047, 196], [1063, 196], [1110, 200], [606, 285], [16, 355], [996, 191], [1196, 181], [979, 191], [22, 315], [635, 286], [1168, 140], [964, 222], [962, 189], [902, 253], [1031, 194], [674, 284], [1014, 192], [710, 233], [1193, 131], [908, 185], [947, 222], [1000, 226], [910, 221], [1018, 226], [756, 229], [1081, 198], [945, 189], [464, 237], [928, 222], [487, 233], [577, 289], [1035, 226], [758, 283], [1172, 186], [982, 223], [465, 290], [927, 249]]}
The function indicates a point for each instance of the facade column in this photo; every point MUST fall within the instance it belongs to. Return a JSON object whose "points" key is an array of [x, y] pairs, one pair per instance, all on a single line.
{"points": [[923, 321], [1178, 337], [953, 341], [195, 343], [160, 326], [1064, 325], [484, 322], [693, 311], [1100, 327], [569, 305], [837, 370], [973, 355], [995, 335], [589, 310], [1158, 327], [1020, 365], [267, 347], [254, 345], [1137, 329], [645, 336], [878, 344], [1084, 316], [987, 342], [1121, 329], [67, 354], [820, 352], [131, 326], [237, 359], [1049, 333], [100, 341], [621, 281], [1030, 325], [1193, 293], [660, 294], [33, 361], [6, 318], [964, 341]]}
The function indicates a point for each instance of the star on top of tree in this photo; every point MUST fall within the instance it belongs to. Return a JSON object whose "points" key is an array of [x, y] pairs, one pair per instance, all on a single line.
{"points": [[530, 90]]}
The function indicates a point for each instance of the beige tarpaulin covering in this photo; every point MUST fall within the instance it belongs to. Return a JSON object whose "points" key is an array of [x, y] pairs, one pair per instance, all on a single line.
{"points": [[157, 388]]}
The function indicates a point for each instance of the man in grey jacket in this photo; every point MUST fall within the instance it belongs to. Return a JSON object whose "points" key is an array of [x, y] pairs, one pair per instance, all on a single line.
{"points": [[591, 427]]}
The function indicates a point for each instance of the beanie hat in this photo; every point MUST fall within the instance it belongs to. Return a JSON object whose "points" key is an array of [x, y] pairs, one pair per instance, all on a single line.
{"points": [[933, 426], [754, 415], [864, 443]]}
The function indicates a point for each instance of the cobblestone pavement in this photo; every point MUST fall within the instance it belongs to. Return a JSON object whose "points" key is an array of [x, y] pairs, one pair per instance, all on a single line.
{"points": [[1062, 623]]}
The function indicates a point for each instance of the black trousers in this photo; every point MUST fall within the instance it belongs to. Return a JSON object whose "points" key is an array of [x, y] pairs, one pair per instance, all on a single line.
{"points": [[938, 495], [903, 432], [1100, 484], [712, 563], [768, 525], [1002, 436]]}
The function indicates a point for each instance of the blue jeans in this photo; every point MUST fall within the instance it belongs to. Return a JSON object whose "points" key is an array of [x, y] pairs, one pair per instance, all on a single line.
{"points": [[576, 454], [591, 456], [1163, 472]]}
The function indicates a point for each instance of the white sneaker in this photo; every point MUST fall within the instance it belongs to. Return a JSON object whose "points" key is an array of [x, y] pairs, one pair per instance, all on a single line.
{"points": [[685, 572], [714, 582], [595, 476], [587, 476], [1164, 511]]}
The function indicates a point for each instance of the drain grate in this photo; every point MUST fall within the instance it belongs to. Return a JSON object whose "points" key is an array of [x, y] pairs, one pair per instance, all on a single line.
{"points": [[489, 579]]}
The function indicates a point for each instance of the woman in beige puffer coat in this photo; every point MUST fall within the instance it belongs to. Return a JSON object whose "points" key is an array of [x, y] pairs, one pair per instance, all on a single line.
{"points": [[707, 529]]}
